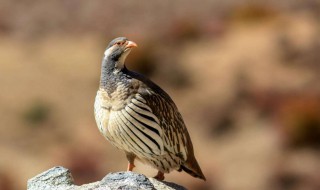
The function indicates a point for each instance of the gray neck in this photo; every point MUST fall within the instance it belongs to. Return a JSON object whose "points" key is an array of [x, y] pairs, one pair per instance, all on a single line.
{"points": [[108, 72], [112, 65]]}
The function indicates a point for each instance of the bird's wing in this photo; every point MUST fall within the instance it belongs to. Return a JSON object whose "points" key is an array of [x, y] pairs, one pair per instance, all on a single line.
{"points": [[130, 124], [175, 136], [140, 126]]}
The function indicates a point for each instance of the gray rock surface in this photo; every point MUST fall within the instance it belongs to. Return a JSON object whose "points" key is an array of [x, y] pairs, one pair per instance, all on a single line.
{"points": [[60, 178]]}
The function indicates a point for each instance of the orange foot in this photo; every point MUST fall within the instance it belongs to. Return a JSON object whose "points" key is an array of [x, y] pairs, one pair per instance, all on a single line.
{"points": [[159, 176], [130, 166]]}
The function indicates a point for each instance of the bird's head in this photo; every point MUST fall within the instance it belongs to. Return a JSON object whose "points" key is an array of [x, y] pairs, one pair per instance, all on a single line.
{"points": [[117, 51]]}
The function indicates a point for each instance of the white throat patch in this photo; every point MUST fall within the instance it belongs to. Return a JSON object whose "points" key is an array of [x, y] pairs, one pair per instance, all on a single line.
{"points": [[120, 63], [108, 52]]}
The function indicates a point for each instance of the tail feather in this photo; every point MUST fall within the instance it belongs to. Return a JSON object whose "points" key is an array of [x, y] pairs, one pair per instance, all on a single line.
{"points": [[192, 167]]}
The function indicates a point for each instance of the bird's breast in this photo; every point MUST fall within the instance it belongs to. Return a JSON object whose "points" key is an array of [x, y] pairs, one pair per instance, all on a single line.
{"points": [[107, 102]]}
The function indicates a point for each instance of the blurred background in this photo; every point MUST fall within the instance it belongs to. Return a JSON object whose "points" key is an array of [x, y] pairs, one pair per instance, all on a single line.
{"points": [[244, 74]]}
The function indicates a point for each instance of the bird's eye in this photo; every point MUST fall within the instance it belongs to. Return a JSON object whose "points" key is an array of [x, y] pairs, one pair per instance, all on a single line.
{"points": [[119, 43]]}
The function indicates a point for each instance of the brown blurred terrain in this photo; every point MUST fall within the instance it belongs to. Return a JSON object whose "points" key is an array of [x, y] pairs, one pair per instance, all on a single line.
{"points": [[244, 74]]}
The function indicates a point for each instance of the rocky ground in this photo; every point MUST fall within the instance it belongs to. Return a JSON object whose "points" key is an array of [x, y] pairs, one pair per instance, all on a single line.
{"points": [[59, 178]]}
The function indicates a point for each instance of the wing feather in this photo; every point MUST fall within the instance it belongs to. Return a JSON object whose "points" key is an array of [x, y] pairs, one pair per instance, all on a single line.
{"points": [[175, 135]]}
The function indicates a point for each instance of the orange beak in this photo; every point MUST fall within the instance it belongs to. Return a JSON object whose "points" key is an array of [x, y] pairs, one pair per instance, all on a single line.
{"points": [[131, 44]]}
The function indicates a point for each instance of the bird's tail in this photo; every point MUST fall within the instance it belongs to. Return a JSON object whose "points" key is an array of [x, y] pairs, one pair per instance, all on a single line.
{"points": [[192, 167]]}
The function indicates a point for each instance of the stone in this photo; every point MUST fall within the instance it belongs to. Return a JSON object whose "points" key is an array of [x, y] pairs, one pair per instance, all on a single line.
{"points": [[60, 178], [54, 178]]}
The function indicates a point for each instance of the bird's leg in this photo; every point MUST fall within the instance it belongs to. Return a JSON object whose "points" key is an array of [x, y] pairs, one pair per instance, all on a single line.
{"points": [[130, 166], [130, 158], [159, 176]]}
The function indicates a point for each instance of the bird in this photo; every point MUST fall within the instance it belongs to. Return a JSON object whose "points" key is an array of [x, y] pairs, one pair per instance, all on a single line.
{"points": [[136, 116]]}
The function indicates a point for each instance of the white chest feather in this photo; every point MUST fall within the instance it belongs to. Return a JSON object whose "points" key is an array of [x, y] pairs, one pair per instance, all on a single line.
{"points": [[105, 105]]}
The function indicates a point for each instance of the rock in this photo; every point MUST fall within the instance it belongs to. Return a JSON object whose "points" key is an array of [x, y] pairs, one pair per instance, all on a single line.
{"points": [[165, 185], [54, 178], [127, 180], [60, 178]]}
